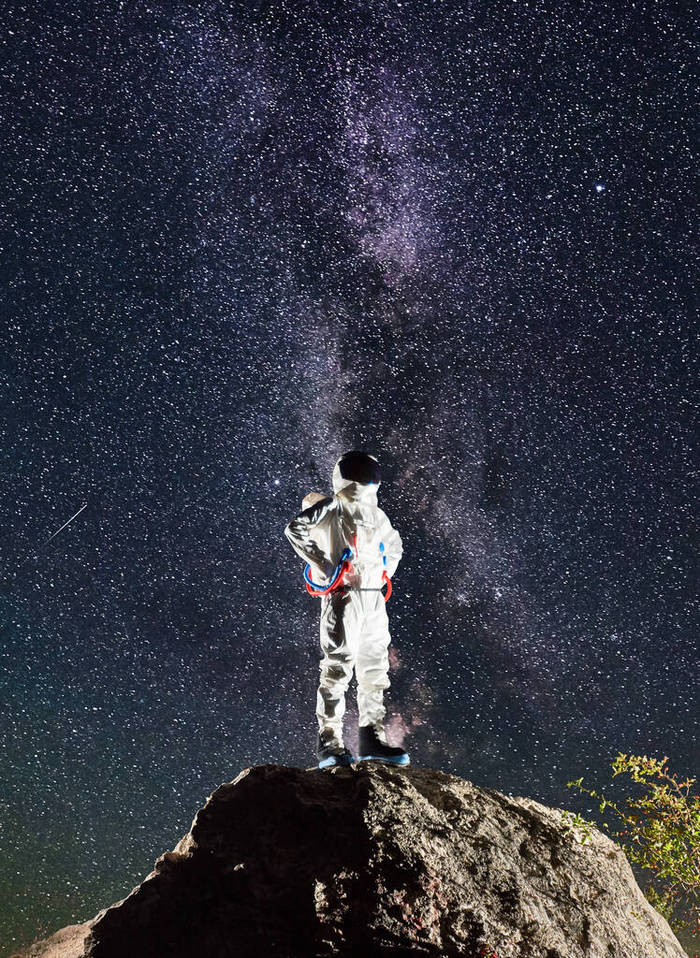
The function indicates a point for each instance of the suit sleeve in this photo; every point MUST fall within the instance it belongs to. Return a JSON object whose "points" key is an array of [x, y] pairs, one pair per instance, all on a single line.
{"points": [[300, 534], [393, 547]]}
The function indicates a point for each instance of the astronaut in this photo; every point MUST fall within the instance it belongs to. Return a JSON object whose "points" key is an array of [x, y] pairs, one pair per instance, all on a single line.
{"points": [[351, 551]]}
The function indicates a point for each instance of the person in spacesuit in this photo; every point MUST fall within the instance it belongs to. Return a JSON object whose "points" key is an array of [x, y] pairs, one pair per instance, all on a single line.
{"points": [[351, 551]]}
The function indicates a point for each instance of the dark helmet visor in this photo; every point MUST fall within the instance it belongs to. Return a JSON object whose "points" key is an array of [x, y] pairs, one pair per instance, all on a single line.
{"points": [[359, 467]]}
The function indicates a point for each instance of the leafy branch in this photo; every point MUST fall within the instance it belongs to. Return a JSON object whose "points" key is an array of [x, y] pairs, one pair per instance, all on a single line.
{"points": [[660, 831]]}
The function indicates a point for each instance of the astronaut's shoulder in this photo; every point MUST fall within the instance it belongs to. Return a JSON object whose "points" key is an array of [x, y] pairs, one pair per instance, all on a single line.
{"points": [[322, 504]]}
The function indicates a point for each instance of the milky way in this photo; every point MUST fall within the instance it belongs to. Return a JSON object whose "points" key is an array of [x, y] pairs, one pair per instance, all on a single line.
{"points": [[240, 239]]}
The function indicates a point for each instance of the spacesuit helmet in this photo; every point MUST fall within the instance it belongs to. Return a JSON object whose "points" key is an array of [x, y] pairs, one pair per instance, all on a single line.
{"points": [[359, 467]]}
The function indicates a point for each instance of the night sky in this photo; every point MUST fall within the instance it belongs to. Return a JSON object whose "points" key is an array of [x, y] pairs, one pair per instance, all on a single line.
{"points": [[241, 239]]}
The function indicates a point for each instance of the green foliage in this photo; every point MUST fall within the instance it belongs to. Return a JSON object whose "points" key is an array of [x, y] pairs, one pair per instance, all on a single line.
{"points": [[660, 832], [580, 828]]}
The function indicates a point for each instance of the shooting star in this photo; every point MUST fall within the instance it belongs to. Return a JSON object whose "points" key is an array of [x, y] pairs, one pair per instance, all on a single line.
{"points": [[65, 524]]}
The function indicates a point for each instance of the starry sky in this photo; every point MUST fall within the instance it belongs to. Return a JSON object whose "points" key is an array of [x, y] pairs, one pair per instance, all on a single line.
{"points": [[239, 239]]}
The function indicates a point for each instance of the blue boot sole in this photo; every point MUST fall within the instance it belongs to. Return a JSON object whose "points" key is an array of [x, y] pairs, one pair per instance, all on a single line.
{"points": [[394, 759], [332, 761]]}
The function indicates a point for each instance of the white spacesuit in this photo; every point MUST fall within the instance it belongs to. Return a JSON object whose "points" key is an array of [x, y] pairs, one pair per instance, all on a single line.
{"points": [[354, 621]]}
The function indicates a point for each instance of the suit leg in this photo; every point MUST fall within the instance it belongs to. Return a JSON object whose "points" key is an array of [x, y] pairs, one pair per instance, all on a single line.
{"points": [[372, 665], [339, 650]]}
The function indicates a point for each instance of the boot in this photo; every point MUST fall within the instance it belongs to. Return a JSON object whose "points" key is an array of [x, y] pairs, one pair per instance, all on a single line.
{"points": [[330, 753], [373, 745]]}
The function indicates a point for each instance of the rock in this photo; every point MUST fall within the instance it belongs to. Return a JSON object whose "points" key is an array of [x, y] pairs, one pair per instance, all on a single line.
{"points": [[377, 860], [66, 943]]}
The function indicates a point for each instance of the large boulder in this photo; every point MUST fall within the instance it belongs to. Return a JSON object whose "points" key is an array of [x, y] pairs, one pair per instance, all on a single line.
{"points": [[376, 860]]}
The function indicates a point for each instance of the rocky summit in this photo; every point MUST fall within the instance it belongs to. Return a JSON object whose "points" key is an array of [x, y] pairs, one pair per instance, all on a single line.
{"points": [[375, 860]]}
